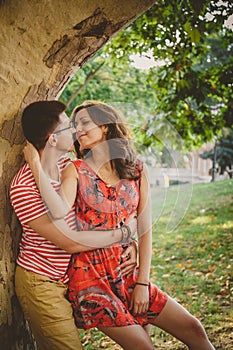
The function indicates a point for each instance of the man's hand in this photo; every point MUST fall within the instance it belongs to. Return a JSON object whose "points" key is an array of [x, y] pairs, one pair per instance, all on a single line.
{"points": [[130, 255]]}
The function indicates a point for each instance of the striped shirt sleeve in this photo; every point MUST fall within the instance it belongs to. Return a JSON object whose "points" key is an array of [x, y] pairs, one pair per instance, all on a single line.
{"points": [[27, 203]]}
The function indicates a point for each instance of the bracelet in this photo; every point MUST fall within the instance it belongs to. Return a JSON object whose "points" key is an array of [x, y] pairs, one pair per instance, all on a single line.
{"points": [[142, 284], [125, 233], [135, 243]]}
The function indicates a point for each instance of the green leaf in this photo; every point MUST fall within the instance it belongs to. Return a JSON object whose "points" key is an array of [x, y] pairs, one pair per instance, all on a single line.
{"points": [[195, 36]]}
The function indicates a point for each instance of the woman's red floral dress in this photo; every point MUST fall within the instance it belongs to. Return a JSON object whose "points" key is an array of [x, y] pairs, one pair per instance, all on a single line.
{"points": [[99, 295]]}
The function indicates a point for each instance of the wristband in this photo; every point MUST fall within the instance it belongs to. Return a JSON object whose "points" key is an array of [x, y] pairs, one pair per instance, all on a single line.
{"points": [[125, 233], [142, 284]]}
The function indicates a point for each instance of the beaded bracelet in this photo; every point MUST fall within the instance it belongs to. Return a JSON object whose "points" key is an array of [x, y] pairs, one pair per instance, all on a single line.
{"points": [[142, 284], [125, 233]]}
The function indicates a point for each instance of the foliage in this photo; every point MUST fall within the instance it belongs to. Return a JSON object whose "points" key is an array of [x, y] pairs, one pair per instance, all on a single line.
{"points": [[112, 83], [190, 90], [127, 88], [192, 264], [224, 152], [194, 83]]}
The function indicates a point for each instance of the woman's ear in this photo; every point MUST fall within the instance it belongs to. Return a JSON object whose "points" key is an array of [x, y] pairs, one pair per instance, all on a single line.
{"points": [[52, 140]]}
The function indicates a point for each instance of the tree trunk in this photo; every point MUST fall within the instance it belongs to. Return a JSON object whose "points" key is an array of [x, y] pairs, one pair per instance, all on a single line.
{"points": [[214, 168], [42, 44]]}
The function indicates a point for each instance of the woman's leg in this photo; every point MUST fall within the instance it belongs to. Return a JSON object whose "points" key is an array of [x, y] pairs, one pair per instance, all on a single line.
{"points": [[129, 337], [177, 321], [147, 328]]}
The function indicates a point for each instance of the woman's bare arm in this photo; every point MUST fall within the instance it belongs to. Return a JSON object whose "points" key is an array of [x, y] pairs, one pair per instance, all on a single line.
{"points": [[58, 203], [140, 297]]}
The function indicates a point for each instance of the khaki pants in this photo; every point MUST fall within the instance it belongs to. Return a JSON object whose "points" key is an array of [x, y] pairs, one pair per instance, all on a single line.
{"points": [[47, 311]]}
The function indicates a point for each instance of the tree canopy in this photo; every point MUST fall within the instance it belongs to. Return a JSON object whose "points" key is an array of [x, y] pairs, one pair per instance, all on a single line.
{"points": [[189, 89]]}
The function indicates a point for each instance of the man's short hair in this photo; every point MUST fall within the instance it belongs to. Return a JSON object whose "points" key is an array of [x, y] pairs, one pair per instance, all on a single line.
{"points": [[39, 119]]}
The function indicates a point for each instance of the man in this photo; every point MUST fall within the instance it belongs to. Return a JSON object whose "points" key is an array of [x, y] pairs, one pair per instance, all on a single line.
{"points": [[44, 254]]}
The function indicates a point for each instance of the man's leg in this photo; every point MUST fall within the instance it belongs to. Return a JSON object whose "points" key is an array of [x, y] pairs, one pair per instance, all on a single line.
{"points": [[47, 311]]}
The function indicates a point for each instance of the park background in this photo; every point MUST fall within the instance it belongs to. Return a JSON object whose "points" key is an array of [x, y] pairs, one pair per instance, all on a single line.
{"points": [[170, 74]]}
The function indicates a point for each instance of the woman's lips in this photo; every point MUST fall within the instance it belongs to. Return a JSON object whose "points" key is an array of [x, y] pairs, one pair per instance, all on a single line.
{"points": [[80, 135]]}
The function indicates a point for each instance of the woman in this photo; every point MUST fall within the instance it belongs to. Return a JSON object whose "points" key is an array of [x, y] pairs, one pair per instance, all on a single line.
{"points": [[107, 185]]}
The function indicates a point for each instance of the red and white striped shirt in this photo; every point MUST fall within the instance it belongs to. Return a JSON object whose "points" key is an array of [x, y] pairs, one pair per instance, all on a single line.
{"points": [[36, 253]]}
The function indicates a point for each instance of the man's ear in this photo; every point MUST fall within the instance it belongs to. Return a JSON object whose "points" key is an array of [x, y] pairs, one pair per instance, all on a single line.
{"points": [[52, 140], [105, 129]]}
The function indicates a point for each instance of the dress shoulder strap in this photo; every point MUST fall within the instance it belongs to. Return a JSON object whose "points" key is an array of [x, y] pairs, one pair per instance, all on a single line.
{"points": [[77, 162]]}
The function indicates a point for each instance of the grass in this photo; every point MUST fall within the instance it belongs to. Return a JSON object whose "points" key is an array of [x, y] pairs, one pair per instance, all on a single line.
{"points": [[192, 260]]}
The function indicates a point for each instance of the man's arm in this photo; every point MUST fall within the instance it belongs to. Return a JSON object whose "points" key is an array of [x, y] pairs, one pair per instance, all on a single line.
{"points": [[30, 209], [72, 241]]}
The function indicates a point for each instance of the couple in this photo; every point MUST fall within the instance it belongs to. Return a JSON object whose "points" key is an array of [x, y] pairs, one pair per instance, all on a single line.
{"points": [[104, 188]]}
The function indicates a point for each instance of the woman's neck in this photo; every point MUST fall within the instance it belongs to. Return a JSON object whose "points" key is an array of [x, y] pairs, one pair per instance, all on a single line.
{"points": [[100, 164], [100, 157], [106, 172]]}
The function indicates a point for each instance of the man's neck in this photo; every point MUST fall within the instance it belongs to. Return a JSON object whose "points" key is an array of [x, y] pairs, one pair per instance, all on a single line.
{"points": [[49, 163]]}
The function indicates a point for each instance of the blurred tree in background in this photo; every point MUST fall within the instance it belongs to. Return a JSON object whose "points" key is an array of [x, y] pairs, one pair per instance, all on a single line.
{"points": [[222, 153]]}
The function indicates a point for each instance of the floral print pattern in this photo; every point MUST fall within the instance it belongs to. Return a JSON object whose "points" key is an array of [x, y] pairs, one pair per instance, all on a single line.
{"points": [[99, 294]]}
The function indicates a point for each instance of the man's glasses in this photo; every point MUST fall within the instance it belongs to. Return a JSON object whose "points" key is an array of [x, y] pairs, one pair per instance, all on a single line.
{"points": [[71, 125]]}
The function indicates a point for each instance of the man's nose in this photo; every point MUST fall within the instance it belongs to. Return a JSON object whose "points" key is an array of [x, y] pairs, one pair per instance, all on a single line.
{"points": [[73, 130], [78, 127]]}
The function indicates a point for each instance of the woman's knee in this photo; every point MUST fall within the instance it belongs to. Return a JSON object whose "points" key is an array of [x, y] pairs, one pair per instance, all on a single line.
{"points": [[143, 344], [129, 337], [195, 327]]}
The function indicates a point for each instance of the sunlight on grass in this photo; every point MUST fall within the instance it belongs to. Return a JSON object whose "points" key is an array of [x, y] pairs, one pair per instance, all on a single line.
{"points": [[225, 226], [201, 220], [194, 262]]}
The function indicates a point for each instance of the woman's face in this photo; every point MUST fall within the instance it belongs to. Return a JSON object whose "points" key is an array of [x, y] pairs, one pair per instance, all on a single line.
{"points": [[88, 133]]}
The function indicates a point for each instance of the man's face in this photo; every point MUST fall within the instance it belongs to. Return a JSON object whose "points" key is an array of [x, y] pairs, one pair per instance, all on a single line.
{"points": [[64, 133]]}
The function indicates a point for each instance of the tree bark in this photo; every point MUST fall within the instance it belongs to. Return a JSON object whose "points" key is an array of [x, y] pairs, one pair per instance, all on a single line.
{"points": [[42, 44]]}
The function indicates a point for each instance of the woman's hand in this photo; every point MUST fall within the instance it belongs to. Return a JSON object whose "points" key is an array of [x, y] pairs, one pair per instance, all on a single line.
{"points": [[30, 153], [139, 303], [130, 254]]}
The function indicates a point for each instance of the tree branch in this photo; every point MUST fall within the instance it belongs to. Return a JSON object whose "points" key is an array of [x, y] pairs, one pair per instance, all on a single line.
{"points": [[88, 78]]}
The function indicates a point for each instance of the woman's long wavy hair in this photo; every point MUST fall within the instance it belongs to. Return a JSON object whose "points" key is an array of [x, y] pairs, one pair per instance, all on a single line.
{"points": [[122, 152]]}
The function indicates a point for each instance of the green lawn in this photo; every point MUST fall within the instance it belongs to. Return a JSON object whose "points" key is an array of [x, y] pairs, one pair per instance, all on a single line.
{"points": [[192, 259]]}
